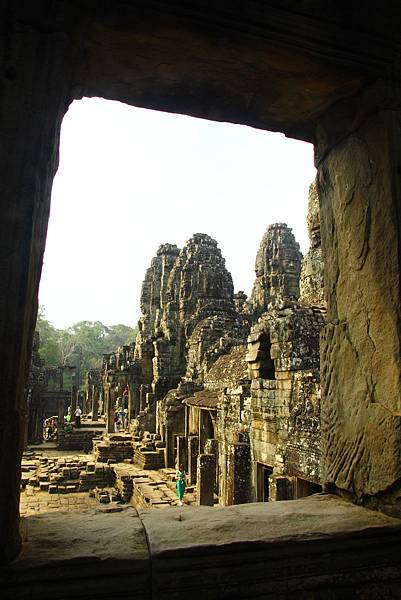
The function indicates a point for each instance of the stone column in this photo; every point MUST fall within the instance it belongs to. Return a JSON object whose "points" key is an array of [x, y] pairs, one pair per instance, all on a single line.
{"points": [[142, 397], [133, 400], [95, 404], [193, 450], [33, 101], [203, 415], [238, 476], [61, 411], [359, 184], [137, 401], [110, 412], [182, 451], [90, 399], [129, 405], [73, 401], [170, 453], [242, 473], [206, 476]]}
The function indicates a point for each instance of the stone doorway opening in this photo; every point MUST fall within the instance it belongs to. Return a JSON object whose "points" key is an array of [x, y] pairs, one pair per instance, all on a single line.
{"points": [[267, 370], [263, 473]]}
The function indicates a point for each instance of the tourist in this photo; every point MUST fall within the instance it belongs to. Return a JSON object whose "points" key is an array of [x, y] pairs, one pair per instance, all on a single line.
{"points": [[78, 414], [180, 484], [49, 430], [53, 424]]}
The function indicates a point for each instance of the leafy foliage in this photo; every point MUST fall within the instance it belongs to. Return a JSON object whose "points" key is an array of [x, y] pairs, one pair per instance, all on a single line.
{"points": [[81, 345], [49, 342]]}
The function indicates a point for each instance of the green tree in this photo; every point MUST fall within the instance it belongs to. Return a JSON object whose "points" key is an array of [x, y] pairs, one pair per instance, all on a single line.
{"points": [[81, 345], [48, 345], [89, 341], [120, 335]]}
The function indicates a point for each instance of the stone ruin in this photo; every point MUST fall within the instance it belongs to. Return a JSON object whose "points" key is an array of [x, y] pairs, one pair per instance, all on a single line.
{"points": [[49, 391], [225, 385], [328, 77]]}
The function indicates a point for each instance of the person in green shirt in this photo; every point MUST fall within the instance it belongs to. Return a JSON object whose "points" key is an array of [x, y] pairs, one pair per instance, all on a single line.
{"points": [[180, 484]]}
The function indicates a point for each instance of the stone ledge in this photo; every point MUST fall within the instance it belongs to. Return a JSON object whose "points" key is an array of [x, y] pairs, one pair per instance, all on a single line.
{"points": [[317, 547], [87, 554]]}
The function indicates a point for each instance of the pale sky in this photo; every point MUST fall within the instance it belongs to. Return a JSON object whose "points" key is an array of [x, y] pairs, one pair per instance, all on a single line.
{"points": [[131, 179]]}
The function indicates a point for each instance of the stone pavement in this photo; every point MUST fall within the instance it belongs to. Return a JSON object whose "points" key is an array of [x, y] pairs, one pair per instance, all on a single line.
{"points": [[34, 502], [50, 470]]}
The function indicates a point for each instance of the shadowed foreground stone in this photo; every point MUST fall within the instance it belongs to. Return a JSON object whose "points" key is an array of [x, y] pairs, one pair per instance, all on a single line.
{"points": [[316, 547], [88, 554]]}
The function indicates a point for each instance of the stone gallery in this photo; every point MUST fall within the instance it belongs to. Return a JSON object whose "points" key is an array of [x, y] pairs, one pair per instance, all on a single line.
{"points": [[255, 420]]}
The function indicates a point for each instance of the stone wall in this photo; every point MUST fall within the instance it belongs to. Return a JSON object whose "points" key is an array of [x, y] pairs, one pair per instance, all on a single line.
{"points": [[303, 453], [361, 349], [76, 439]]}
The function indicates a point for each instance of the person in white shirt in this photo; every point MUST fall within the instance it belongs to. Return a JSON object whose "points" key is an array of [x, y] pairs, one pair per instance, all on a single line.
{"points": [[78, 414]]}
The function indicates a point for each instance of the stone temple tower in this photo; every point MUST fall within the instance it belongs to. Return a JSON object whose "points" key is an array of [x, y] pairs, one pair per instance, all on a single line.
{"points": [[277, 268]]}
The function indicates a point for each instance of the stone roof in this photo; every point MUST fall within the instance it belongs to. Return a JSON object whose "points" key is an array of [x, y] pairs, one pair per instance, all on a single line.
{"points": [[203, 399], [230, 367]]}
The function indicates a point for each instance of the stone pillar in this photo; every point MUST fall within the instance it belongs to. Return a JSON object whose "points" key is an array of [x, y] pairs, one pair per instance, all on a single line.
{"points": [[133, 399], [150, 400], [136, 401], [242, 473], [83, 402], [206, 476], [60, 417], [169, 452], [129, 405], [359, 184], [203, 430], [110, 411], [142, 398], [73, 401], [90, 399], [181, 451], [238, 484], [95, 404], [32, 106], [193, 451]]}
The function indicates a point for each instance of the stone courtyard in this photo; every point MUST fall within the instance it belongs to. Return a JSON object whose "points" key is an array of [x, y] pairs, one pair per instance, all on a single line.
{"points": [[54, 480]]}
